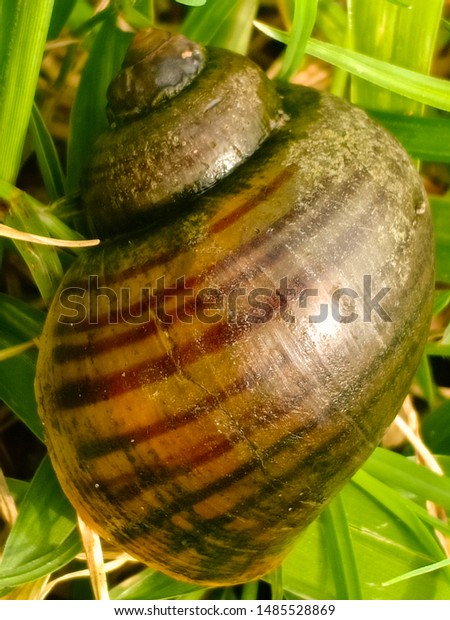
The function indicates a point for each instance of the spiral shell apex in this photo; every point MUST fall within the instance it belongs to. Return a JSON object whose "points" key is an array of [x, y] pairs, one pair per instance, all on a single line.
{"points": [[213, 373]]}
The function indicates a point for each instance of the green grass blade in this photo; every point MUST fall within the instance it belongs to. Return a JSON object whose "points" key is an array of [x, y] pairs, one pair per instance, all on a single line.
{"points": [[427, 518], [419, 571], [424, 378], [425, 89], [438, 350], [19, 319], [19, 323], [408, 40], [442, 300], [44, 537], [429, 90], [204, 22], [150, 584], [47, 156], [400, 508], [43, 261], [389, 539], [275, 578], [250, 591], [427, 139], [18, 489], [61, 11], [332, 21], [88, 118], [440, 209], [24, 27], [340, 552], [236, 29], [305, 14], [192, 2], [432, 91], [436, 429], [402, 473], [133, 16]]}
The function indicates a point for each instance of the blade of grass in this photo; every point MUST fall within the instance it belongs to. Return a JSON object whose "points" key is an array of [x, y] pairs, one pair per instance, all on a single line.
{"points": [[192, 2], [19, 319], [44, 537], [340, 551], [436, 429], [24, 30], [19, 322], [440, 210], [441, 301], [385, 543], [133, 16], [236, 29], [43, 261], [419, 571], [408, 40], [427, 139], [305, 14], [149, 585], [147, 8], [400, 508], [48, 216], [203, 22], [47, 156], [438, 350], [429, 90], [424, 378], [275, 578], [427, 518], [60, 14], [88, 117], [402, 473], [250, 591], [332, 21]]}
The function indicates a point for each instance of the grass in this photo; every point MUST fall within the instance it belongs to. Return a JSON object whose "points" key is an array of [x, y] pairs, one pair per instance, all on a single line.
{"points": [[379, 538]]}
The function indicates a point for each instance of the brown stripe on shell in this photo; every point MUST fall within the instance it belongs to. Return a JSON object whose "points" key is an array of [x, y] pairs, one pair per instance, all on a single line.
{"points": [[64, 353], [92, 449], [79, 393], [263, 194], [125, 493], [163, 258], [157, 518]]}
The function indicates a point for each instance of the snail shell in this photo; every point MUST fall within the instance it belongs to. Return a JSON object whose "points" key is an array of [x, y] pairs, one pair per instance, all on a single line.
{"points": [[200, 408], [183, 146]]}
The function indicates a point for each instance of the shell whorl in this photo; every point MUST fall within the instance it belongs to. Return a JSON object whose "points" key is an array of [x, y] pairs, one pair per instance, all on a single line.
{"points": [[201, 120], [157, 67]]}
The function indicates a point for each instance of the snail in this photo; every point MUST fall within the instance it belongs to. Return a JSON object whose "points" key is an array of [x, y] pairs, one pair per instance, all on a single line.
{"points": [[213, 373]]}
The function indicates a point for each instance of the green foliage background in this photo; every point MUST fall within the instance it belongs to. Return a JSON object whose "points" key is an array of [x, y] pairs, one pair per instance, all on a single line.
{"points": [[377, 540]]}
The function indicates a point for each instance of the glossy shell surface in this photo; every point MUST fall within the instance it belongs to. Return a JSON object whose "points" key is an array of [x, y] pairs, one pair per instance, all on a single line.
{"points": [[200, 411], [183, 147]]}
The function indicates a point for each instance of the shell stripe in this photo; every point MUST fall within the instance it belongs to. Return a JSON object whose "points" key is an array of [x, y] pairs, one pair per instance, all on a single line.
{"points": [[263, 194], [67, 352], [156, 518], [99, 447], [80, 393], [163, 258], [322, 442]]}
